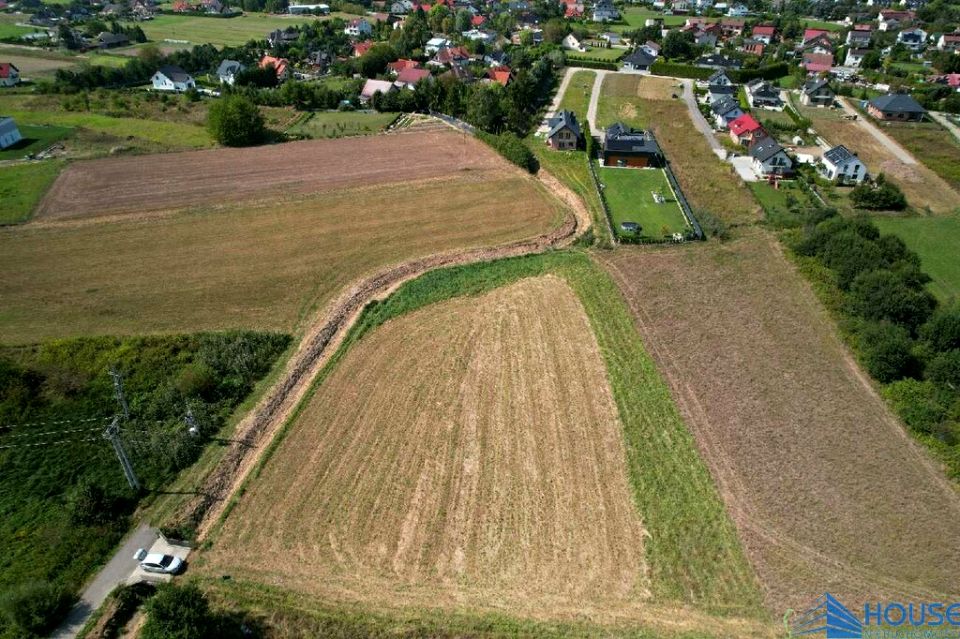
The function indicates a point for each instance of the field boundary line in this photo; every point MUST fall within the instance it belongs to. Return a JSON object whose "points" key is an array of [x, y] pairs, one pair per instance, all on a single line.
{"points": [[259, 427]]}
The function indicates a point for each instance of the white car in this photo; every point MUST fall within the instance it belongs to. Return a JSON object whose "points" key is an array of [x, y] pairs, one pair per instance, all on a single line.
{"points": [[156, 562]]}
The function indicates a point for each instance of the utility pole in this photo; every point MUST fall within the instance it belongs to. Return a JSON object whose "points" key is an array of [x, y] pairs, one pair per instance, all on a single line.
{"points": [[118, 390], [112, 434]]}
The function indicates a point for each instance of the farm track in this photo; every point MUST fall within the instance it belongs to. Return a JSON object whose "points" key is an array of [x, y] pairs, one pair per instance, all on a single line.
{"points": [[322, 339]]}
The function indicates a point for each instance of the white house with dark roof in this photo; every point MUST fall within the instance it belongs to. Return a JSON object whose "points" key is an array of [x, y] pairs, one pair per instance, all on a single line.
{"points": [[817, 92], [769, 158], [725, 111], [842, 166], [172, 78], [639, 60], [9, 74], [914, 39], [9, 133], [228, 71]]}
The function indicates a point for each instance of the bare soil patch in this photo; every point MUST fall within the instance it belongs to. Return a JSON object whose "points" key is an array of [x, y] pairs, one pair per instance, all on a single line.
{"points": [[197, 178], [826, 489], [467, 454]]}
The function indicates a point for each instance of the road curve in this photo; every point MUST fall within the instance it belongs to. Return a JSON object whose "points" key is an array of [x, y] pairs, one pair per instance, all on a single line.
{"points": [[898, 151], [321, 340]]}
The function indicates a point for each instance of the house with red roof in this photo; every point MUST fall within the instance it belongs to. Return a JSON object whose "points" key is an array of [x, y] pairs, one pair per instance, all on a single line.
{"points": [[362, 47], [408, 78], [818, 44], [745, 128], [764, 33], [890, 20], [817, 62], [810, 34], [502, 75], [280, 65], [401, 64], [450, 55], [573, 12], [9, 74], [478, 21]]}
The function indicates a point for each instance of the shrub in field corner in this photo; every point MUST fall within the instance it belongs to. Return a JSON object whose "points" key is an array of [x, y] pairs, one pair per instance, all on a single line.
{"points": [[236, 121]]}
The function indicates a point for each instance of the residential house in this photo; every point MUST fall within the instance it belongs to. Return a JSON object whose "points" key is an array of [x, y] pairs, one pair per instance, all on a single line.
{"points": [[605, 11], [228, 71], [738, 10], [818, 44], [573, 11], [280, 37], [914, 39], [754, 46], [301, 9], [9, 133], [717, 92], [372, 87], [496, 58], [362, 47], [459, 72], [611, 37], [358, 28], [721, 78], [732, 27], [172, 78], [855, 57], [718, 61], [817, 62], [570, 43], [890, 20], [949, 42], [564, 133], [763, 95], [401, 64], [725, 111], [9, 74], [860, 35], [651, 47], [478, 21], [108, 40], [896, 107], [627, 147], [842, 166], [679, 7], [765, 33], [435, 44], [401, 7], [281, 66], [745, 128], [479, 35], [408, 78], [817, 92], [639, 60], [769, 158], [501, 75], [810, 34], [448, 56]]}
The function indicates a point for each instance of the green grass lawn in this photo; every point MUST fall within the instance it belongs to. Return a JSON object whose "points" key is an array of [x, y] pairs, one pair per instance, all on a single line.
{"points": [[10, 29], [936, 240], [218, 31], [636, 16], [338, 124], [35, 139], [577, 96], [22, 186], [930, 143], [629, 195], [602, 55], [810, 23]]}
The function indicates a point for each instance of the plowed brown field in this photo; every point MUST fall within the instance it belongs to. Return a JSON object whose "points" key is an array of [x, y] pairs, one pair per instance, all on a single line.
{"points": [[826, 490], [194, 178], [468, 454]]}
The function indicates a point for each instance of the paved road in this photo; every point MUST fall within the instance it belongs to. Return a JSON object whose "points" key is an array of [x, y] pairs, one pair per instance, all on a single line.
{"points": [[699, 121], [898, 151], [594, 101], [945, 121], [116, 572]]}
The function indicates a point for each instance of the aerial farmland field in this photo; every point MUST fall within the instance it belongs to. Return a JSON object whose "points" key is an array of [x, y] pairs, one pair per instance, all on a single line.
{"points": [[219, 31], [827, 490], [258, 237]]}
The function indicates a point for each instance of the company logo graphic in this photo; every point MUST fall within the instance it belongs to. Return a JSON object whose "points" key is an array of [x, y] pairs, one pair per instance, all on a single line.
{"points": [[830, 619], [830, 616]]}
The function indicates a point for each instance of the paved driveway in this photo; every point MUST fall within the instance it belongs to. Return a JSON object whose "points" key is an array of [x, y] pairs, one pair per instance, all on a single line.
{"points": [[701, 122], [744, 167], [594, 102], [898, 151]]}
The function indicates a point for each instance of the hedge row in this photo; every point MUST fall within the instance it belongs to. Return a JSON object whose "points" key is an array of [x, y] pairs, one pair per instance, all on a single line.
{"points": [[591, 64], [681, 70], [769, 72], [512, 148]]}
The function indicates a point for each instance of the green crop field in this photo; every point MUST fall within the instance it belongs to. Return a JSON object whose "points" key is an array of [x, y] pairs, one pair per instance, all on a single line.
{"points": [[936, 240], [218, 31], [629, 195], [22, 186], [338, 124], [577, 96]]}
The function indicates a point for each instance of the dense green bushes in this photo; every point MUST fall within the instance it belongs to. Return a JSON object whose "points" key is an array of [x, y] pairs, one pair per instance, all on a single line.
{"points": [[680, 70], [513, 149], [893, 322], [591, 64], [65, 502], [33, 608], [880, 195], [236, 121]]}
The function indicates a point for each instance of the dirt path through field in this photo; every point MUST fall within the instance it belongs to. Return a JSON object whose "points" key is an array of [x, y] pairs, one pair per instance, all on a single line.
{"points": [[322, 339], [827, 490]]}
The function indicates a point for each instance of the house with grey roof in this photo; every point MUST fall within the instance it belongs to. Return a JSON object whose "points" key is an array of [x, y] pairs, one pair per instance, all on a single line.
{"points": [[228, 71], [564, 133], [842, 166], [896, 107], [769, 158], [817, 92], [725, 111], [172, 78], [639, 60], [627, 147]]}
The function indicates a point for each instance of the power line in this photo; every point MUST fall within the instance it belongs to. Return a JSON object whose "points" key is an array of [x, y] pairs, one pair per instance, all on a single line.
{"points": [[50, 443], [55, 432], [53, 423]]}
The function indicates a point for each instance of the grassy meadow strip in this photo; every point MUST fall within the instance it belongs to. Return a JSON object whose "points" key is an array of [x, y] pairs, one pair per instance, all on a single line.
{"points": [[693, 552], [22, 186]]}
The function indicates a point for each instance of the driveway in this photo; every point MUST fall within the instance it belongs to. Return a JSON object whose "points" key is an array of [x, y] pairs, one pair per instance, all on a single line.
{"points": [[699, 121], [898, 151], [122, 568], [744, 167], [947, 123], [557, 98], [594, 101]]}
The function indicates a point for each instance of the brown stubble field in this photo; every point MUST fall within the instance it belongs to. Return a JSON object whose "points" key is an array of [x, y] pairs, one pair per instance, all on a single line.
{"points": [[708, 183], [198, 178], [465, 455], [827, 491], [267, 262], [921, 185]]}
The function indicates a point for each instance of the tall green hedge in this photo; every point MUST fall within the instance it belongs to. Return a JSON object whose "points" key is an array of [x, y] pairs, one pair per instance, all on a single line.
{"points": [[512, 148], [591, 64], [680, 70]]}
